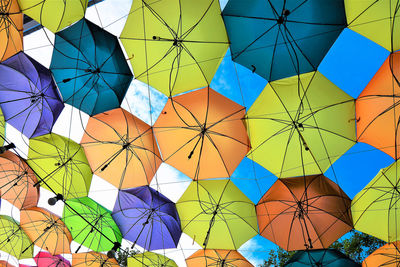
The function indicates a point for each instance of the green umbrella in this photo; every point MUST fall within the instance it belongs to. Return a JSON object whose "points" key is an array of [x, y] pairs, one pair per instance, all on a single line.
{"points": [[91, 224], [2, 127], [150, 259], [217, 215], [13, 239], [60, 165]]}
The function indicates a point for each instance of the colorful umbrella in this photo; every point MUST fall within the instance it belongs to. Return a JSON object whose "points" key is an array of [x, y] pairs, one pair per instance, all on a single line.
{"points": [[28, 95], [2, 127], [45, 259], [300, 213], [217, 215], [217, 257], [201, 133], [91, 224], [90, 68], [147, 218], [61, 165], [13, 239], [300, 125], [5, 264], [279, 39], [320, 257], [130, 155], [175, 46], [11, 27], [150, 259], [387, 255], [93, 259]]}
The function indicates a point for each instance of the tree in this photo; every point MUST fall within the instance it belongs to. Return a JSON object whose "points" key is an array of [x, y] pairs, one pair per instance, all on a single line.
{"points": [[122, 256]]}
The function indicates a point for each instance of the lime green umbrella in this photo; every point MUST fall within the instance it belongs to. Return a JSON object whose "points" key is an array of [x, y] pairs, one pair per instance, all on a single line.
{"points": [[60, 164], [376, 208], [13, 239], [175, 45], [150, 259], [55, 15], [300, 125], [217, 215], [2, 127], [91, 224]]}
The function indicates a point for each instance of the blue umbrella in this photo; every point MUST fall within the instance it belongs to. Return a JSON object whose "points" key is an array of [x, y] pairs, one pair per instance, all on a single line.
{"points": [[319, 258]]}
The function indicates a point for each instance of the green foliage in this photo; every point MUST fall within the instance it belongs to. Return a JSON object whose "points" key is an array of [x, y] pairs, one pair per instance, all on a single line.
{"points": [[278, 257], [122, 256]]}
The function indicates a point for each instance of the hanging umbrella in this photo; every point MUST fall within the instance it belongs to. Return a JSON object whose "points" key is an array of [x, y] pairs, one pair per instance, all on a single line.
{"points": [[217, 215], [54, 14], [175, 46], [300, 213], [91, 224], [13, 239], [90, 68], [93, 259], [387, 255], [377, 108], [217, 257], [150, 259], [147, 218], [130, 155], [279, 39], [320, 257], [45, 259], [11, 27], [300, 125], [2, 127], [201, 133], [46, 230], [61, 165], [379, 199], [5, 264], [17, 181], [28, 95]]}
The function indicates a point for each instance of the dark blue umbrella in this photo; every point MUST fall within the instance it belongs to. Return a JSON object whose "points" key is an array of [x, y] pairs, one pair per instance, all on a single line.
{"points": [[320, 258], [29, 97], [147, 218], [90, 68]]}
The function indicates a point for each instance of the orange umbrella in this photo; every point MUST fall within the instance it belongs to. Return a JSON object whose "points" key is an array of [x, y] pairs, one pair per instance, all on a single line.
{"points": [[217, 257], [378, 109], [17, 181], [387, 255], [93, 259], [129, 155], [202, 134], [300, 213], [11, 28], [46, 230], [5, 264]]}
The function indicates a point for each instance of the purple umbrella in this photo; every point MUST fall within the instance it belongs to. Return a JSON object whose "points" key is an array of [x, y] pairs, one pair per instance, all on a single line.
{"points": [[29, 97], [147, 218]]}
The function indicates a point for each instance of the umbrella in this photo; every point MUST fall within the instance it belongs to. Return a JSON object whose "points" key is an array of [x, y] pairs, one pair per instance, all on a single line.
{"points": [[379, 199], [377, 108], [300, 125], [46, 230], [147, 218], [11, 27], [308, 212], [90, 68], [279, 39], [320, 257], [29, 97], [5, 264], [130, 155], [387, 255], [54, 14], [45, 259], [13, 239], [91, 224], [175, 46], [150, 259], [216, 214], [2, 127], [60, 164], [217, 257], [93, 259], [17, 181], [201, 133]]}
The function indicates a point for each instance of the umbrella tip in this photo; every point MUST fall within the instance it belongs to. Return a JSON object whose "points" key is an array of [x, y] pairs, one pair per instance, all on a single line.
{"points": [[53, 200]]}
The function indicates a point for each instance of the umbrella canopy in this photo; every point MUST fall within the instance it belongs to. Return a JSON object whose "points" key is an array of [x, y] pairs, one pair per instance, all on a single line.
{"points": [[320, 257], [150, 259], [54, 14], [130, 155], [300, 125], [90, 68], [91, 224], [379, 199], [61, 165], [279, 39], [217, 215], [308, 212], [13, 239], [2, 127], [11, 28], [202, 134], [29, 97], [45, 259], [217, 257], [175, 46], [147, 218], [378, 110], [46, 230], [93, 259], [387, 255], [5, 264]]}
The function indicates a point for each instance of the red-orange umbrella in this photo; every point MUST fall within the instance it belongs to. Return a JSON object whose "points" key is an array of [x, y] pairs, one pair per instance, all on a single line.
{"points": [[5, 264], [93, 259], [217, 257], [11, 27], [387, 255]]}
